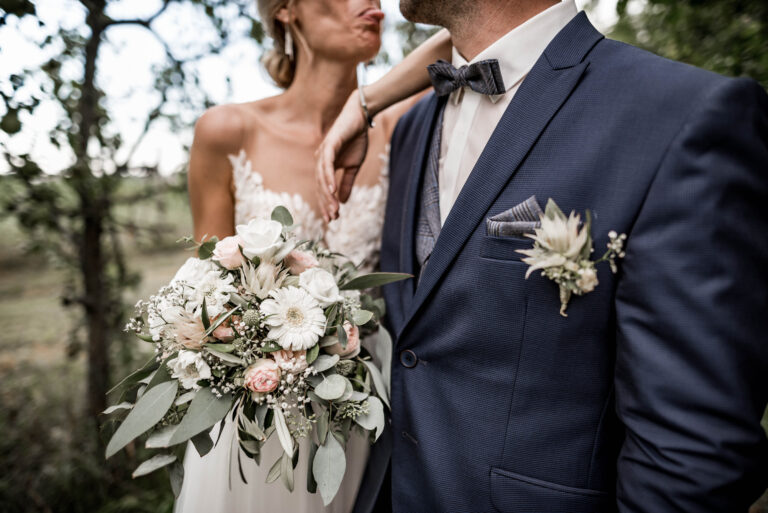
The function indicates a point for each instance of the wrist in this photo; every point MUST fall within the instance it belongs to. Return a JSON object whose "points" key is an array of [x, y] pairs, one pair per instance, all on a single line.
{"points": [[374, 99]]}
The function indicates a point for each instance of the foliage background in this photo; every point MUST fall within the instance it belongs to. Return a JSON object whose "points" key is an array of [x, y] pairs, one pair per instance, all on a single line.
{"points": [[50, 449]]}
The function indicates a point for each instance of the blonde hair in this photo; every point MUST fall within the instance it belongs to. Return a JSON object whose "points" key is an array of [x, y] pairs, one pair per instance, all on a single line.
{"points": [[276, 61]]}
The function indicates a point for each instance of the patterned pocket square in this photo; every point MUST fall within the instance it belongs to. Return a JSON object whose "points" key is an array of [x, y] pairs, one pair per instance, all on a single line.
{"points": [[517, 221]]}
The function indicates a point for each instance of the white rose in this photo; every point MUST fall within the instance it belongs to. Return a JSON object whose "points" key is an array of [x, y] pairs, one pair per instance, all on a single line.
{"points": [[321, 285], [194, 271], [189, 367], [260, 238]]}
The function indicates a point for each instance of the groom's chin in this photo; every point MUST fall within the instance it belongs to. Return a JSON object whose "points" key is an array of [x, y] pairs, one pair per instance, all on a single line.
{"points": [[421, 11]]}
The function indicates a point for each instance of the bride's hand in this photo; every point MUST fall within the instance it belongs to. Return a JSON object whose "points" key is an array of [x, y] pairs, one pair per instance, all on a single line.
{"points": [[344, 147]]}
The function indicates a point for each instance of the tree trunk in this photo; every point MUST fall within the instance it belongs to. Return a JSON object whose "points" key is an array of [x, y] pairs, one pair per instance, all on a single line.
{"points": [[93, 208]]}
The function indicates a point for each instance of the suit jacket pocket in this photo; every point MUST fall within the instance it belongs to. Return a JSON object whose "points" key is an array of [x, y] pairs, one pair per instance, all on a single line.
{"points": [[516, 493], [504, 248]]}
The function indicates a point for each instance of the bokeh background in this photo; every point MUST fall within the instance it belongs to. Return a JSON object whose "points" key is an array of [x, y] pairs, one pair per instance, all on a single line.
{"points": [[98, 102]]}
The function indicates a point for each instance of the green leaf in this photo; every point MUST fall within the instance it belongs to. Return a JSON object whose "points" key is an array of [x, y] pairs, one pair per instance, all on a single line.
{"points": [[156, 462], [374, 280], [125, 405], [286, 470], [160, 438], [283, 434], [185, 397], [586, 251], [322, 426], [137, 375], [146, 337], [225, 357], [325, 362], [328, 468], [176, 474], [311, 483], [203, 443], [274, 472], [341, 334], [237, 300], [313, 353], [332, 387], [328, 341], [271, 347], [222, 348], [205, 410], [220, 320], [206, 319], [147, 412], [161, 374], [360, 317], [374, 419], [552, 211], [205, 251], [378, 382], [282, 216]]}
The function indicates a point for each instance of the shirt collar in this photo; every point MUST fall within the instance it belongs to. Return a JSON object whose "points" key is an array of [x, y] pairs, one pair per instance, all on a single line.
{"points": [[519, 49]]}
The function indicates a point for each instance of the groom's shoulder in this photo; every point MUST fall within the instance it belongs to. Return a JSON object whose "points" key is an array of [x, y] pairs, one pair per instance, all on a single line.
{"points": [[646, 75]]}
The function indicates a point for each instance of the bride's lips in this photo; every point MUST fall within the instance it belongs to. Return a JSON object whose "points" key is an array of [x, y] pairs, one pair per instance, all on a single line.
{"points": [[372, 15]]}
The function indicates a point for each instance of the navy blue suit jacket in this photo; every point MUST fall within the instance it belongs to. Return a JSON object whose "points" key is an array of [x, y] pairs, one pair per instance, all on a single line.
{"points": [[648, 397]]}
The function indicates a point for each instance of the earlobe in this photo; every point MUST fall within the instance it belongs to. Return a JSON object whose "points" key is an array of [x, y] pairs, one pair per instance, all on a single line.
{"points": [[284, 15]]}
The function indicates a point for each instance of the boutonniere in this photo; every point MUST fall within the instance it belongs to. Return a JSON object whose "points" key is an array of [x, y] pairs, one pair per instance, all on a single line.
{"points": [[562, 251]]}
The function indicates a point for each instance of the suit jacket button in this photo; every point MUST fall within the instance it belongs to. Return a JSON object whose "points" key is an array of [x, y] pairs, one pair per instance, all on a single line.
{"points": [[408, 359]]}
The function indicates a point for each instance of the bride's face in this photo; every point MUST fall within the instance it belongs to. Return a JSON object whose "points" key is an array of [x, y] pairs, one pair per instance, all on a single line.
{"points": [[348, 30]]}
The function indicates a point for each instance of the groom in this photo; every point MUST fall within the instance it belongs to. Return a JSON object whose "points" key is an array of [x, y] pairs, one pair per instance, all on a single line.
{"points": [[648, 396]]}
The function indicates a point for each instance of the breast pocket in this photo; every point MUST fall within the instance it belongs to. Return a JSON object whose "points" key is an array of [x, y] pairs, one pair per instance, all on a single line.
{"points": [[504, 248]]}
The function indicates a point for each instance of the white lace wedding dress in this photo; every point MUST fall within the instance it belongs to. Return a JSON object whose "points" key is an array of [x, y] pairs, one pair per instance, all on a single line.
{"points": [[212, 484]]}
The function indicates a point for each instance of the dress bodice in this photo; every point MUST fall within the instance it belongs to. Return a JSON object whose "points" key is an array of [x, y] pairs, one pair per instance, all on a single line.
{"points": [[355, 234]]}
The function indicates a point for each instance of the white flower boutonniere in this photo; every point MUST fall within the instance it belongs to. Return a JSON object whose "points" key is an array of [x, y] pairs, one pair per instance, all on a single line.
{"points": [[562, 251]]}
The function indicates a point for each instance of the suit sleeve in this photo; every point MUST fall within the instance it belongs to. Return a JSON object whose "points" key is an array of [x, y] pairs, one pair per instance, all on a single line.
{"points": [[692, 317]]}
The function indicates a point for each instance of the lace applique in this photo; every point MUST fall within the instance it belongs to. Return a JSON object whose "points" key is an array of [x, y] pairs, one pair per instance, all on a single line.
{"points": [[357, 232]]}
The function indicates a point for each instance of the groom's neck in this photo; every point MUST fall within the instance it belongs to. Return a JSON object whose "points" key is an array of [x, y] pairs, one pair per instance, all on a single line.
{"points": [[489, 20]]}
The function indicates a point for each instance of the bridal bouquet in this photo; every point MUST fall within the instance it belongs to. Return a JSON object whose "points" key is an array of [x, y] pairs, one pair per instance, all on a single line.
{"points": [[266, 329]]}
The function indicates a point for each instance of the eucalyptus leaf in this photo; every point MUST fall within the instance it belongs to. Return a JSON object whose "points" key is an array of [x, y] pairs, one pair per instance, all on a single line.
{"points": [[360, 317], [185, 397], [176, 474], [147, 412], [282, 215], [329, 341], [271, 347], [322, 426], [160, 438], [283, 434], [286, 471], [378, 382], [222, 348], [220, 320], [373, 280], [274, 471], [156, 462], [313, 353], [374, 419], [325, 362], [237, 300], [125, 405], [328, 468], [206, 320], [311, 483], [332, 387], [358, 397], [341, 333], [205, 251], [203, 443], [146, 337], [137, 375], [161, 375], [205, 410], [225, 357]]}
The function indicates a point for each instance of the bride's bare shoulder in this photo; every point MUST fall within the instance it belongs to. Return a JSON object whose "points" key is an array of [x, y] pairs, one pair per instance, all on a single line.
{"points": [[224, 129]]}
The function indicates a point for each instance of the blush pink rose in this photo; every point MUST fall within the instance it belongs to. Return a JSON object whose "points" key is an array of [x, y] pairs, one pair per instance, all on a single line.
{"points": [[224, 333], [227, 252], [298, 261], [262, 376], [353, 342], [291, 361]]}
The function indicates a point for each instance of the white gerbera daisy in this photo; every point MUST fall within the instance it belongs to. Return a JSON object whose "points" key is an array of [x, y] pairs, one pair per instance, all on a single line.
{"points": [[296, 319]]}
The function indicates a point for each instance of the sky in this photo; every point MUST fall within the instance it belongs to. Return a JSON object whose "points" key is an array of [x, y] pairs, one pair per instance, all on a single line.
{"points": [[125, 73]]}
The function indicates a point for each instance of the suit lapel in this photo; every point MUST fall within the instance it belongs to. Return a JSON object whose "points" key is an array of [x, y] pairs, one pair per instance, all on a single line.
{"points": [[410, 206], [540, 96]]}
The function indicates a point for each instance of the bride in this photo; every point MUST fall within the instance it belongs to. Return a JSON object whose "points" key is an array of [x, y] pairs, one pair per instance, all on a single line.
{"points": [[248, 158]]}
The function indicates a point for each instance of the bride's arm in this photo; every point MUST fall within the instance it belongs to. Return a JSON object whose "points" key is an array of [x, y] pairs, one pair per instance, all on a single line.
{"points": [[345, 144], [218, 134]]}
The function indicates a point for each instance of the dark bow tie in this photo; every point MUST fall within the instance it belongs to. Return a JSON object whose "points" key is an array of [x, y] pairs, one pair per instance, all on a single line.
{"points": [[483, 77]]}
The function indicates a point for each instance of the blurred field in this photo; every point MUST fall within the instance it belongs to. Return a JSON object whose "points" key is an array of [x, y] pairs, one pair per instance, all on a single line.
{"points": [[50, 460]]}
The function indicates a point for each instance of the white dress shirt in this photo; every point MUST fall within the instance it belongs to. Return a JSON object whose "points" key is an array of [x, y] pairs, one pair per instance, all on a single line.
{"points": [[470, 118]]}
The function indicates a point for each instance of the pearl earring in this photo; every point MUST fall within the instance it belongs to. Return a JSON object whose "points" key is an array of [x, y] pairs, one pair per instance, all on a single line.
{"points": [[288, 43]]}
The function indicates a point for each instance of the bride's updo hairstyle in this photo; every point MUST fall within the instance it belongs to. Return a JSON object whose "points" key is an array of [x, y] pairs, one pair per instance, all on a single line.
{"points": [[276, 61]]}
